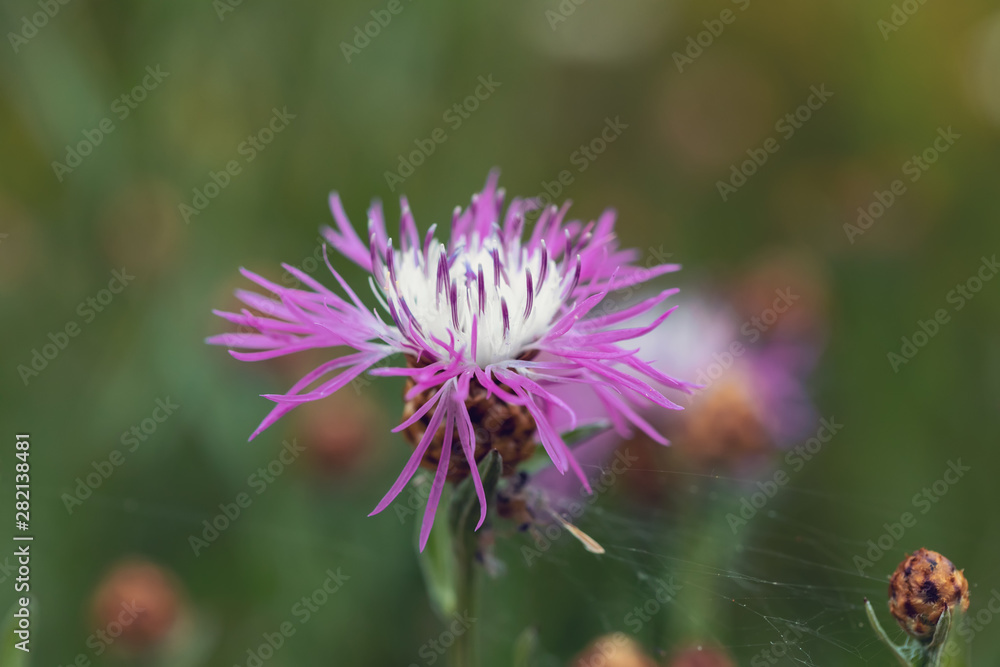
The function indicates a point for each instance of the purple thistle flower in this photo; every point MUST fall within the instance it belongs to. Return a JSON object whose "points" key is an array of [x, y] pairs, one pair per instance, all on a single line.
{"points": [[489, 325]]}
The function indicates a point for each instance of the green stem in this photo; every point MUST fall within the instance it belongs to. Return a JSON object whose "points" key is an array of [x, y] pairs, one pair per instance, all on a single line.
{"points": [[464, 568], [465, 650], [897, 652]]}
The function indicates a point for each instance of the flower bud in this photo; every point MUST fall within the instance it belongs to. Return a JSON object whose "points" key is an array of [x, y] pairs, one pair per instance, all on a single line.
{"points": [[337, 433], [137, 602], [614, 650], [922, 588], [723, 428]]}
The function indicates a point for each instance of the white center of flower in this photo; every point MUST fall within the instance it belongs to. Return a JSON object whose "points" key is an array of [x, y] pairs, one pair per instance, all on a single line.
{"points": [[513, 296]]}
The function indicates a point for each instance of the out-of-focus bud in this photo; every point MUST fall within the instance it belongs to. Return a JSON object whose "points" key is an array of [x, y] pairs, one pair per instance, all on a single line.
{"points": [[922, 588], [614, 650], [722, 427], [337, 431], [701, 656], [784, 295], [137, 605]]}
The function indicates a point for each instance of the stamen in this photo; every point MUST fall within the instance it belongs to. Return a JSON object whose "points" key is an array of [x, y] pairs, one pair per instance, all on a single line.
{"points": [[496, 268], [390, 263], [545, 268], [506, 317], [428, 239], [482, 290], [531, 294], [497, 230], [453, 298], [395, 317], [442, 275], [576, 278], [475, 336], [409, 315]]}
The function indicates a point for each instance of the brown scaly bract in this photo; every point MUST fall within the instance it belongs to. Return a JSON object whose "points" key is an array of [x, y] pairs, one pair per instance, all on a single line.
{"points": [[921, 588], [498, 425]]}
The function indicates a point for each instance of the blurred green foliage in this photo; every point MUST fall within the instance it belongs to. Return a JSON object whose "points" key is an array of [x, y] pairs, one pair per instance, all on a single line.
{"points": [[559, 80]]}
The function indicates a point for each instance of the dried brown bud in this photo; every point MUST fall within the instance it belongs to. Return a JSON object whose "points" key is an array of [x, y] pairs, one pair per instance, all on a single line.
{"points": [[701, 656], [922, 588], [137, 604], [614, 650], [509, 429]]}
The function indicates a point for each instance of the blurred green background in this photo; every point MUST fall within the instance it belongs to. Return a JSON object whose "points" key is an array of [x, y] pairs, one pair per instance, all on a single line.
{"points": [[559, 71]]}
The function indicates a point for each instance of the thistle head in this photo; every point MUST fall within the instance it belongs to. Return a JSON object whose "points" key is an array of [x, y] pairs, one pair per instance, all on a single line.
{"points": [[923, 587], [489, 320]]}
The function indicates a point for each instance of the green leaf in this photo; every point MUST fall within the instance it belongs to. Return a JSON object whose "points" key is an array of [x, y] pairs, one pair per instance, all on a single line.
{"points": [[945, 650], [541, 459], [585, 432], [9, 655]]}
